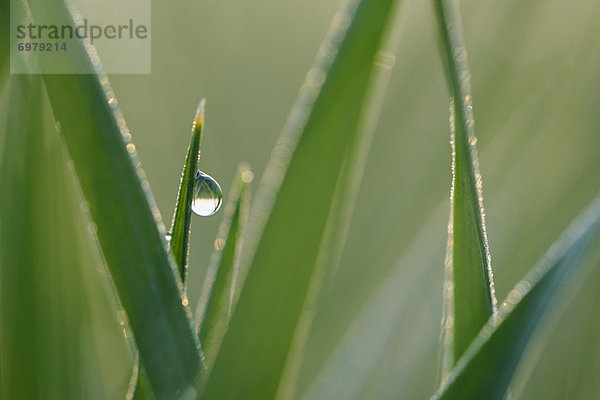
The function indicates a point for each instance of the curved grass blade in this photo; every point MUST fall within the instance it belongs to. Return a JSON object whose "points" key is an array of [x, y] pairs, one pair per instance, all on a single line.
{"points": [[290, 219], [469, 287], [486, 369], [181, 224], [221, 284], [129, 227]]}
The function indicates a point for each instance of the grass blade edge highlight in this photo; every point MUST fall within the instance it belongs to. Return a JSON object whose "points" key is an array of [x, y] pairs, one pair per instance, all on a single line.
{"points": [[469, 295]]}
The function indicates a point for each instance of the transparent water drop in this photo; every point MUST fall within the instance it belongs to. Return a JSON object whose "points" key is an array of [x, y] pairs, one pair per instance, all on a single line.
{"points": [[169, 236], [207, 195]]}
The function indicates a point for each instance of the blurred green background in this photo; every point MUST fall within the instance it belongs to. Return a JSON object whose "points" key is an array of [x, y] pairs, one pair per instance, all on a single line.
{"points": [[536, 92]]}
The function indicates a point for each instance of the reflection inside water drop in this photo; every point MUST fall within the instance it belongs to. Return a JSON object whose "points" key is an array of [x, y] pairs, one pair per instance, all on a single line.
{"points": [[207, 195]]}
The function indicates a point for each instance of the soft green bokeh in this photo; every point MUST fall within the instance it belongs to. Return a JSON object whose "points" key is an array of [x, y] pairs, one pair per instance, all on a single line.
{"points": [[536, 92]]}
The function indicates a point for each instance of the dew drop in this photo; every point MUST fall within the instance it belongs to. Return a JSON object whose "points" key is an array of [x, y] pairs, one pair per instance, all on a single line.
{"points": [[168, 236], [219, 243], [207, 195], [247, 176]]}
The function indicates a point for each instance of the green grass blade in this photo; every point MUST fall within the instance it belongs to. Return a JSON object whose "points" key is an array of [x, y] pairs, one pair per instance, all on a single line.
{"points": [[17, 202], [130, 231], [469, 288], [294, 202], [215, 305], [182, 218], [139, 385], [486, 369], [180, 232], [221, 284], [134, 248], [44, 295]]}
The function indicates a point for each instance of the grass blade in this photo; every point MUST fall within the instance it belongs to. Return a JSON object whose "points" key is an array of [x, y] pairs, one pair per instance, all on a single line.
{"points": [[469, 288], [139, 384], [486, 369], [45, 297], [134, 248], [215, 305], [182, 218], [17, 228], [180, 232], [128, 222], [221, 284], [290, 216]]}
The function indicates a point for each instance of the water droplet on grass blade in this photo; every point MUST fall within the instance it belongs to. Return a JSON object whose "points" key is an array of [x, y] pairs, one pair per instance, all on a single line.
{"points": [[207, 195]]}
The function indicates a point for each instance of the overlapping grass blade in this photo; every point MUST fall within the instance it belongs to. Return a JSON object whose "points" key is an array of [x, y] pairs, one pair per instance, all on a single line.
{"points": [[221, 283], [215, 305], [130, 231], [44, 300], [17, 257], [486, 369], [179, 234], [182, 218], [469, 288], [139, 384], [289, 221], [134, 248]]}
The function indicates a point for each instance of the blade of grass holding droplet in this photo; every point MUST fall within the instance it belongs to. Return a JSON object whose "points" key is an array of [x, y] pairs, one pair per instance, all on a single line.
{"points": [[215, 304], [486, 369], [181, 224], [288, 223], [181, 228], [469, 297], [130, 231], [221, 284]]}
